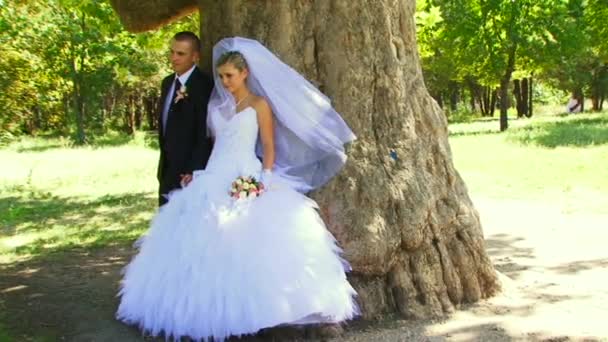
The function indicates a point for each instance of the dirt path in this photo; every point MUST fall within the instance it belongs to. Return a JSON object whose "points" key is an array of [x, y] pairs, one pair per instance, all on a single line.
{"points": [[554, 269], [556, 262], [554, 266]]}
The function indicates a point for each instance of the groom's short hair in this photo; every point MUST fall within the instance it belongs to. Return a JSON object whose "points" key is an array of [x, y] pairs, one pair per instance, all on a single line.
{"points": [[191, 37]]}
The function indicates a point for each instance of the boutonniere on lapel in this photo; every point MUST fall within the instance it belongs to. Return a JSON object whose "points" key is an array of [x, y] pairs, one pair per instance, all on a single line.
{"points": [[181, 94]]}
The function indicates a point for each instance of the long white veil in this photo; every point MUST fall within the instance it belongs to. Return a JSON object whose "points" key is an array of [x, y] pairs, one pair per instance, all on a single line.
{"points": [[309, 134]]}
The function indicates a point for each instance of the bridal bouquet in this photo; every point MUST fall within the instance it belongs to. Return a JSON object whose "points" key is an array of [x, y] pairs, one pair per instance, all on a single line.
{"points": [[246, 187]]}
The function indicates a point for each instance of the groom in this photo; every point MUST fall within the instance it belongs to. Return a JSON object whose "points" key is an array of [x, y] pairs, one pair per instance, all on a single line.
{"points": [[182, 123]]}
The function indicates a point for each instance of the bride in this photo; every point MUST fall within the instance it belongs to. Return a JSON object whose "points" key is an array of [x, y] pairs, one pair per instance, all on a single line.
{"points": [[214, 265]]}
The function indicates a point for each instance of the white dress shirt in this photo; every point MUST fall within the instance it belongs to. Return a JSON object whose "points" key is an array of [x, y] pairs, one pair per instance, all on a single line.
{"points": [[183, 78]]}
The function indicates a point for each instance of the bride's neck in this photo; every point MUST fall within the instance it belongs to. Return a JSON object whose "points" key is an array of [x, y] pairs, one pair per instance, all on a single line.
{"points": [[241, 94]]}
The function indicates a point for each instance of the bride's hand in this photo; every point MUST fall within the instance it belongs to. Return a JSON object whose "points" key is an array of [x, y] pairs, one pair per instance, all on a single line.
{"points": [[266, 178]]}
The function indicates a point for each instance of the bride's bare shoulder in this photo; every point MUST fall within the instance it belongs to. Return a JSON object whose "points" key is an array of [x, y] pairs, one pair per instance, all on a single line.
{"points": [[260, 104]]}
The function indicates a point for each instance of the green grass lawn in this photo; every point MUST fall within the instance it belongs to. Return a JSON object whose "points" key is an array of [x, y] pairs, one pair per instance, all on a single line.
{"points": [[55, 197], [561, 160]]}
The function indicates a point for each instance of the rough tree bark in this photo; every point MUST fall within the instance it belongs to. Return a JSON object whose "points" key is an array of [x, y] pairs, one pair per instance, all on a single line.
{"points": [[419, 248]]}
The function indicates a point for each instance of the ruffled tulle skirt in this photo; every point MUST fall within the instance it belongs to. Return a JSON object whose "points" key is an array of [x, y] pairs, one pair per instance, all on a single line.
{"points": [[211, 266]]}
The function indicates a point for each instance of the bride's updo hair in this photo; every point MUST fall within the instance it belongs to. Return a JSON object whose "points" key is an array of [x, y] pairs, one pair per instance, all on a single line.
{"points": [[232, 57]]}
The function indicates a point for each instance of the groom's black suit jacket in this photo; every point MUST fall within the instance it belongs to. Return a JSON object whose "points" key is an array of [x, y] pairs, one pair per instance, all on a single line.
{"points": [[184, 146]]}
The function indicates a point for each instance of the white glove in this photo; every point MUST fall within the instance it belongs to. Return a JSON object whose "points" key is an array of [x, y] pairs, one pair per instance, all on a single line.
{"points": [[197, 173], [266, 178]]}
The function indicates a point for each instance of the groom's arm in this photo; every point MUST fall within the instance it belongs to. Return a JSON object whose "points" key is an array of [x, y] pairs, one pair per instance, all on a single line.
{"points": [[202, 145]]}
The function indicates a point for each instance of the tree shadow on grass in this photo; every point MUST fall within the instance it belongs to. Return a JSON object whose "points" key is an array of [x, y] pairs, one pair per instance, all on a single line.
{"points": [[578, 132], [148, 139], [52, 224], [42, 148], [143, 138]]}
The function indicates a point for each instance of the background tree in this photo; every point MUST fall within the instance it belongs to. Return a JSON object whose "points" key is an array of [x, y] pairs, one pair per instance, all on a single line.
{"points": [[69, 67], [481, 45]]}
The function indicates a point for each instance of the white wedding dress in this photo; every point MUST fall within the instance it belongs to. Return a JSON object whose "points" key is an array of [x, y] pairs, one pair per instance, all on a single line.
{"points": [[211, 266]]}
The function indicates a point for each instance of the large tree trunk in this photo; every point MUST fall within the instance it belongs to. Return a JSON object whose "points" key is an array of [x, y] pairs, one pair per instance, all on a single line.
{"points": [[419, 249]]}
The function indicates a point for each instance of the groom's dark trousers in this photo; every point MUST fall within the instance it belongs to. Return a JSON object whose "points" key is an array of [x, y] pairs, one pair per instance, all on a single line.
{"points": [[184, 145]]}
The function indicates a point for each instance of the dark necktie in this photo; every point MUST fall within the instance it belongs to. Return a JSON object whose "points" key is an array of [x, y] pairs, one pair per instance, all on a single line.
{"points": [[176, 86]]}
